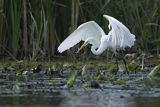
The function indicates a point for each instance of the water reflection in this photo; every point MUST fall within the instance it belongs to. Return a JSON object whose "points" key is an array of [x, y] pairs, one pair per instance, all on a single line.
{"points": [[147, 101], [109, 98], [99, 98], [28, 100]]}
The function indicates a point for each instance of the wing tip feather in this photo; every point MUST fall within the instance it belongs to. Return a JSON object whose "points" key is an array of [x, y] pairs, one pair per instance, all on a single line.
{"points": [[59, 49]]}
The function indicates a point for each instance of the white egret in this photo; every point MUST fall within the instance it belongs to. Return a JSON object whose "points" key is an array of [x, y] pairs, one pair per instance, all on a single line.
{"points": [[90, 32]]}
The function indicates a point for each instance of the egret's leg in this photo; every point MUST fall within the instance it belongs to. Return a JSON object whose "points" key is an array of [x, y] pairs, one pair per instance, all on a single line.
{"points": [[117, 65], [124, 61], [120, 57], [117, 69]]}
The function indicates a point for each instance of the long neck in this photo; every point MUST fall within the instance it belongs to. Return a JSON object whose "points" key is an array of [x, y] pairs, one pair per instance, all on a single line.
{"points": [[100, 49]]}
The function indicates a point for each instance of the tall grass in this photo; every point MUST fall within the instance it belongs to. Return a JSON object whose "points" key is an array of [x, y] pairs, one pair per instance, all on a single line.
{"points": [[34, 28], [51, 38], [39, 31], [25, 29], [1, 21], [43, 31], [15, 13]]}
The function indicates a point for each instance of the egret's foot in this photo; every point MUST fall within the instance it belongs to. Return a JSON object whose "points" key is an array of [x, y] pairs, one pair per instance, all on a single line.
{"points": [[126, 72]]}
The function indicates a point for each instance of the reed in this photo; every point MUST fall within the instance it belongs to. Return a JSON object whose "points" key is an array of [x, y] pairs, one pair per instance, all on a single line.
{"points": [[25, 29], [51, 37], [15, 13], [37, 28], [1, 21]]}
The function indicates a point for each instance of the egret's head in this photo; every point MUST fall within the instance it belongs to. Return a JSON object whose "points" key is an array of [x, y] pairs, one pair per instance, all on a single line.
{"points": [[91, 41], [84, 44]]}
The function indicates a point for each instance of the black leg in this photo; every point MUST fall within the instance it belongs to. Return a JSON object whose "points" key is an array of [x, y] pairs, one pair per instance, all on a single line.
{"points": [[124, 61], [120, 57], [117, 62]]}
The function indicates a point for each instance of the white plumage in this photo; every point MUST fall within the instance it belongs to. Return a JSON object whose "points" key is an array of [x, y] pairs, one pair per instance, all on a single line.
{"points": [[120, 36], [85, 31], [90, 32]]}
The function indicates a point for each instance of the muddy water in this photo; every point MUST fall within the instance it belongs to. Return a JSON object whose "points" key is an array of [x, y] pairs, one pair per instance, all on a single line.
{"points": [[45, 90]]}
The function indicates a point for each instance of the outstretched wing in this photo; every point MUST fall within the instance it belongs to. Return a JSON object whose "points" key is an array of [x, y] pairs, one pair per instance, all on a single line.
{"points": [[119, 35], [86, 30]]}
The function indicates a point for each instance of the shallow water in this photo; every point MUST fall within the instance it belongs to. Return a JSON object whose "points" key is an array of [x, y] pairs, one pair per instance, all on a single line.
{"points": [[45, 90]]}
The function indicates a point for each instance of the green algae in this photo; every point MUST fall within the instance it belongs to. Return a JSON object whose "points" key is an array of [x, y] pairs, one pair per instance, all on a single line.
{"points": [[119, 82]]}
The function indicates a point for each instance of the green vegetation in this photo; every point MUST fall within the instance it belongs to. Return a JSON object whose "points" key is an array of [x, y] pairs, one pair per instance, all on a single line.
{"points": [[120, 82], [71, 79], [32, 29], [155, 72]]}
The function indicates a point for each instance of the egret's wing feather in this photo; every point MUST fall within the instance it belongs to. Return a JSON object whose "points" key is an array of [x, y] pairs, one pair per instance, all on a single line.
{"points": [[120, 35], [70, 41], [83, 32]]}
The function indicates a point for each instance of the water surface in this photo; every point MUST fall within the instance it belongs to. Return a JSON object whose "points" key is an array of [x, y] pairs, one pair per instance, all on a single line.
{"points": [[46, 90]]}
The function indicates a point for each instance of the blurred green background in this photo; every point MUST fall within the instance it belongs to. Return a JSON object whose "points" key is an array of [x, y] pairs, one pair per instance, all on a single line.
{"points": [[32, 29]]}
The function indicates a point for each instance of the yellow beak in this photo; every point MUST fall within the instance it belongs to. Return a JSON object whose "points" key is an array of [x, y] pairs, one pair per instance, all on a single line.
{"points": [[84, 44]]}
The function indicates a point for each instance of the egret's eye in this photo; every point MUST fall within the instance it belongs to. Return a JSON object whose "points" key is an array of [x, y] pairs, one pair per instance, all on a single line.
{"points": [[96, 49]]}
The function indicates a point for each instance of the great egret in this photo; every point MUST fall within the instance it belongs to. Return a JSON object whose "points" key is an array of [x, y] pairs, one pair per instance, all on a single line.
{"points": [[90, 32]]}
